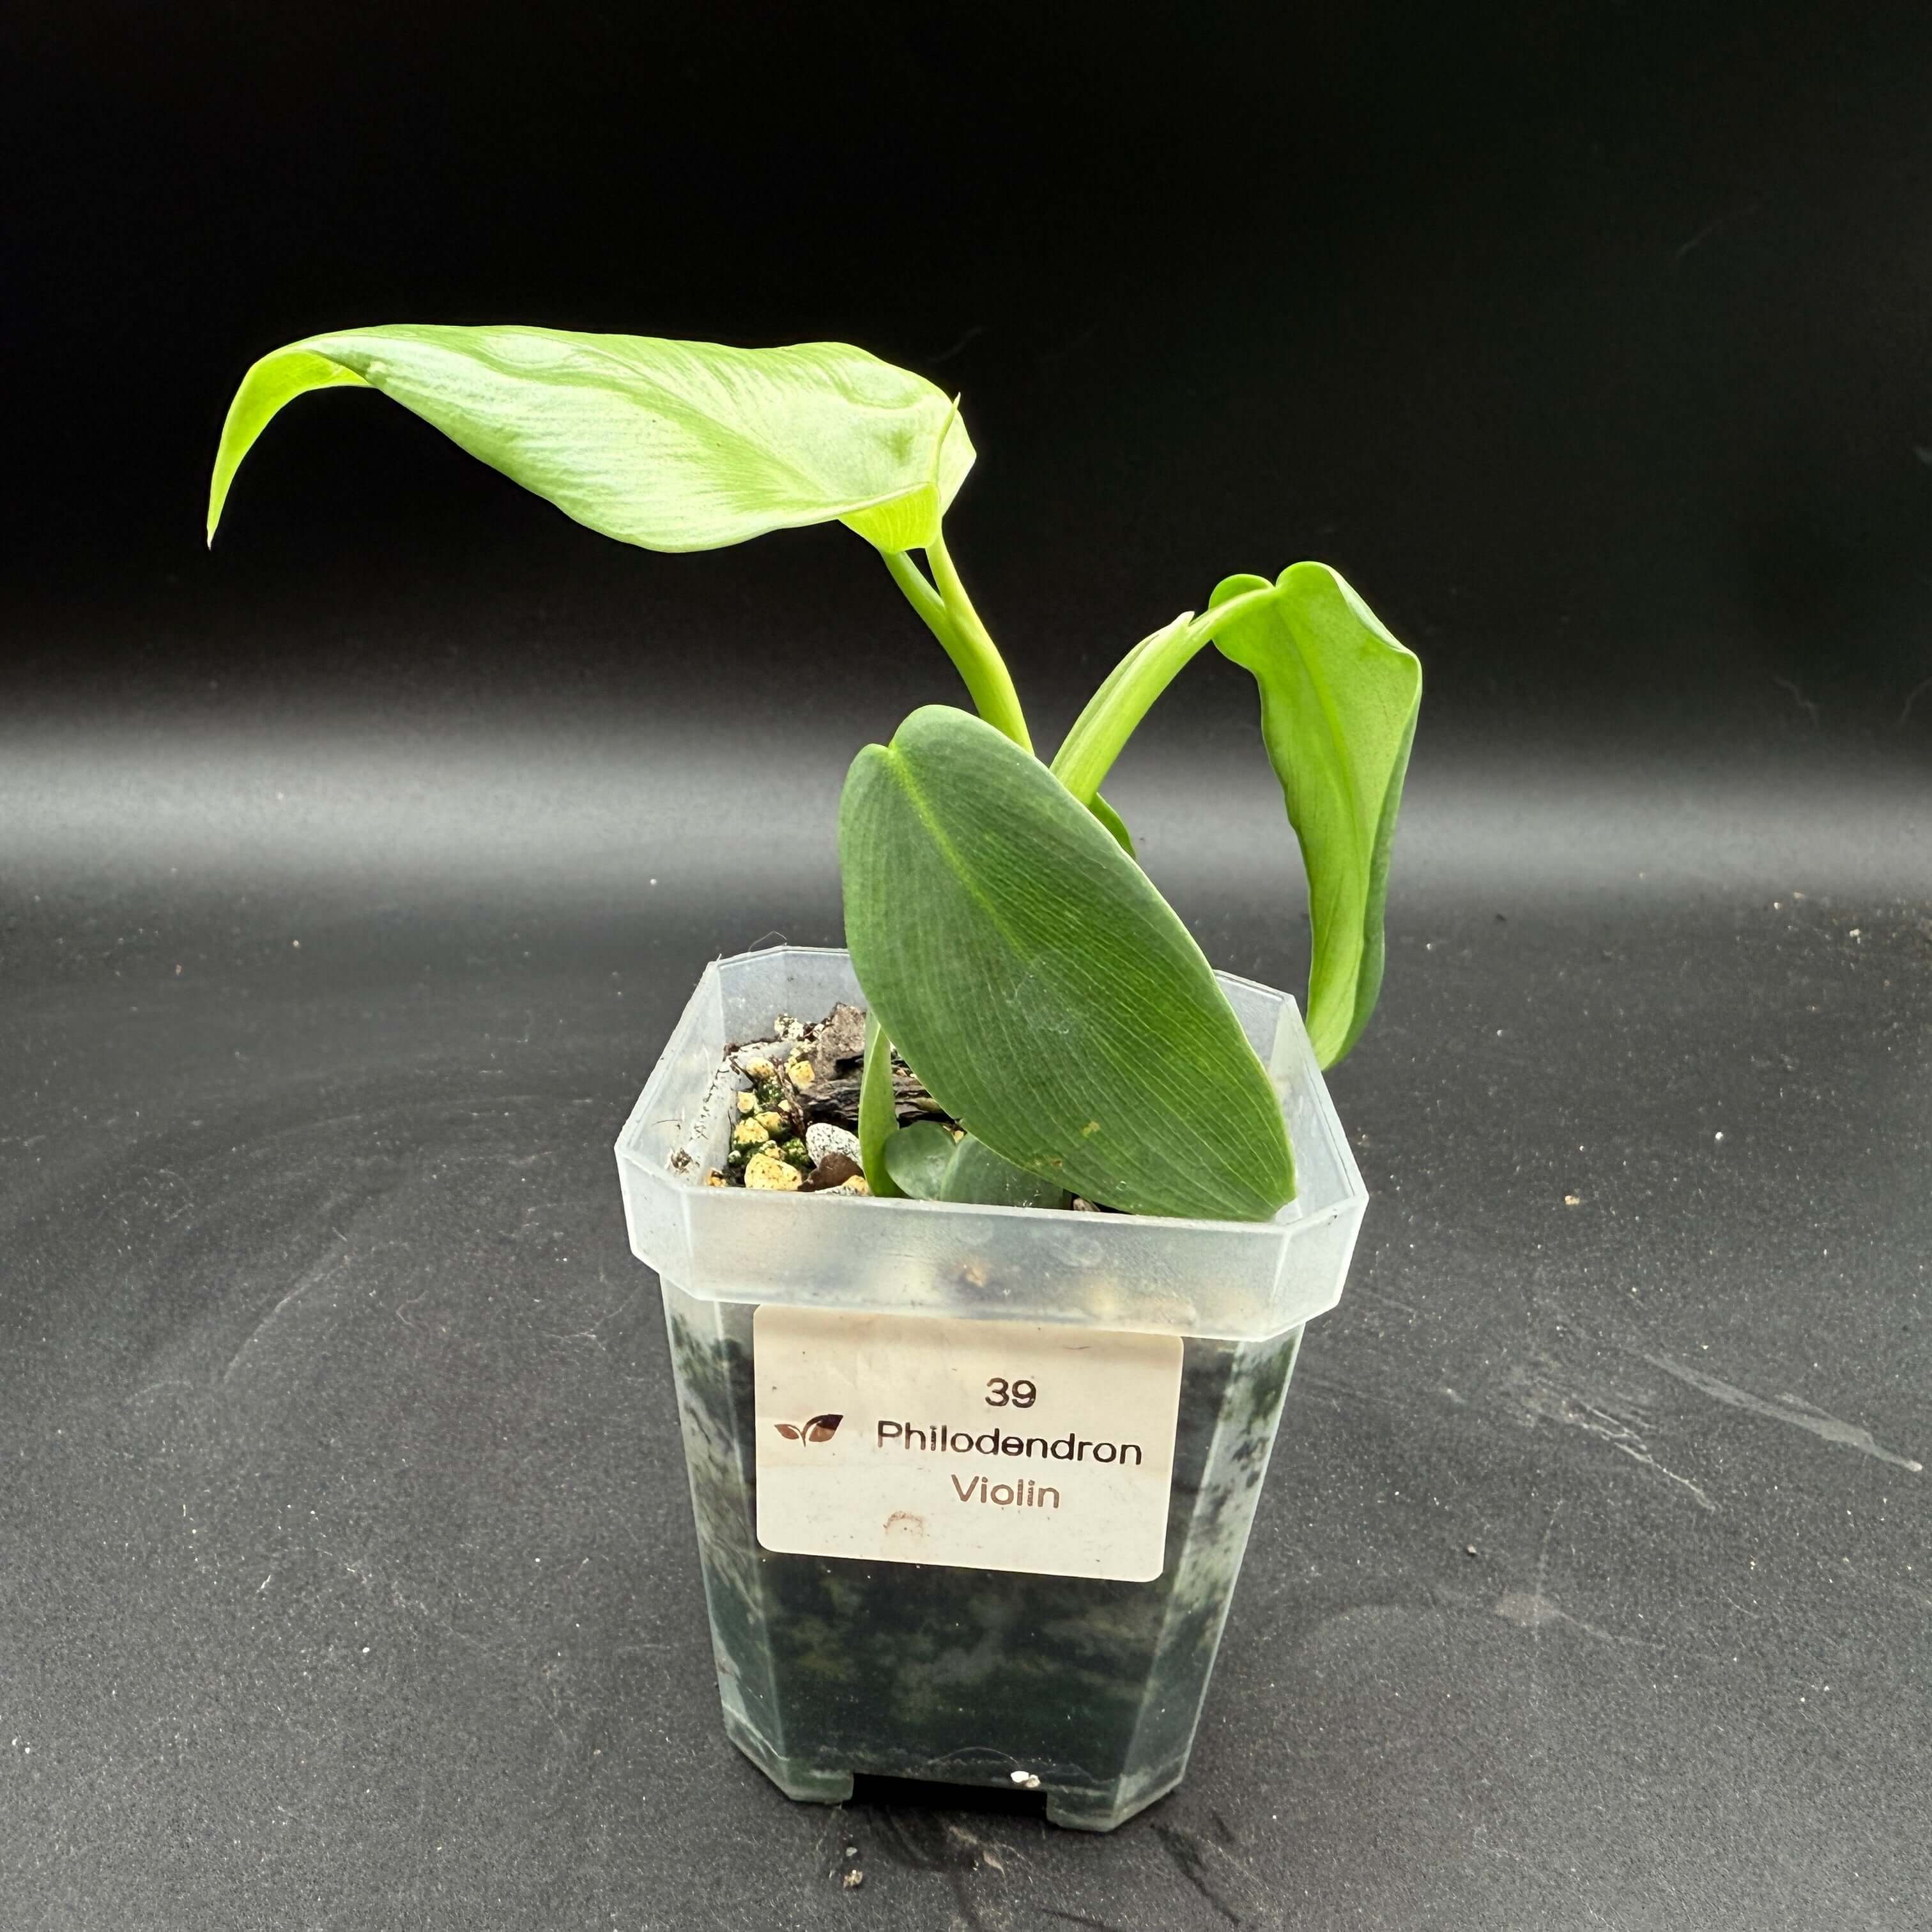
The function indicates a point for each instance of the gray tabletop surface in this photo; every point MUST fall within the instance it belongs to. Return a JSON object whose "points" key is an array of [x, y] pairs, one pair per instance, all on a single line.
{"points": [[346, 1581]]}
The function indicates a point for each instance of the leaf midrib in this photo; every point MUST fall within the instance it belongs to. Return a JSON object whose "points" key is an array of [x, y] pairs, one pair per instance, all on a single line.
{"points": [[661, 402], [1014, 947]]}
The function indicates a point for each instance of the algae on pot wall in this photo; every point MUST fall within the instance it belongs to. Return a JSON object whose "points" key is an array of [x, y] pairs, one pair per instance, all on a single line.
{"points": [[1087, 1689]]}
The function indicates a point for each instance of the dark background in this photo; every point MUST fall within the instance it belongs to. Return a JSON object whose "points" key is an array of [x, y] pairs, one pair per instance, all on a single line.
{"points": [[352, 876]]}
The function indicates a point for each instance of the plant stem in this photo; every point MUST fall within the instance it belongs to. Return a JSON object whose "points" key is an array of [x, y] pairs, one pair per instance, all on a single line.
{"points": [[973, 651], [878, 1110], [1087, 753], [921, 595], [973, 654]]}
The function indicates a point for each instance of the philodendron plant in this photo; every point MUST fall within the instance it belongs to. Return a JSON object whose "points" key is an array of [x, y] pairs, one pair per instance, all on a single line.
{"points": [[1008, 944]]}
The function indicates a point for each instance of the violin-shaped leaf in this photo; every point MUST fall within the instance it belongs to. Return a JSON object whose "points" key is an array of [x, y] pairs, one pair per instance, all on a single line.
{"points": [[672, 445], [1041, 988], [1338, 700]]}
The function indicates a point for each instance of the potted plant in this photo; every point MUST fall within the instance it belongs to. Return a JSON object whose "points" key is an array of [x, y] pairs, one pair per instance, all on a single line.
{"points": [[983, 1289]]}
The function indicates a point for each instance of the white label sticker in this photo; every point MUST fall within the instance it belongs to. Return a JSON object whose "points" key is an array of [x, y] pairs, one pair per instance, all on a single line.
{"points": [[984, 1445]]}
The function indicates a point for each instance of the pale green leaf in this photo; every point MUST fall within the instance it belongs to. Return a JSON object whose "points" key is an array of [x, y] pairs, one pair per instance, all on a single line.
{"points": [[912, 521], [672, 445], [1041, 988], [1339, 702]]}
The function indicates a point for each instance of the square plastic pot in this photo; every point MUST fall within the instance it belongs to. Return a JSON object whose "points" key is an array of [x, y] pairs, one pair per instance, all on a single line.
{"points": [[1088, 1689]]}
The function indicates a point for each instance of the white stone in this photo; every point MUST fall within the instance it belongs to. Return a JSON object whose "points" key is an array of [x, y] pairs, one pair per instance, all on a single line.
{"points": [[822, 1139]]}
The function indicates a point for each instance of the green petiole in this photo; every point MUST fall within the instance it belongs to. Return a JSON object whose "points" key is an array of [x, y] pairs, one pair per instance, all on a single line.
{"points": [[878, 1112], [1114, 711], [948, 614]]}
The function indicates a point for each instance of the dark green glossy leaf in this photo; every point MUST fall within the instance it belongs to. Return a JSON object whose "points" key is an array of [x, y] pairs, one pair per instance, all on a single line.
{"points": [[1339, 702], [1042, 989], [674, 445]]}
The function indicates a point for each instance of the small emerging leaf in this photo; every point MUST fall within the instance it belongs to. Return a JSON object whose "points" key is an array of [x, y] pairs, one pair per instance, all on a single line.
{"points": [[1041, 987], [672, 445], [1339, 702], [917, 1158], [977, 1173], [925, 1161]]}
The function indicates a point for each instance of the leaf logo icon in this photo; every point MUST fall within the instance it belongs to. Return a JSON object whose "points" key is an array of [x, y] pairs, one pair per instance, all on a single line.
{"points": [[819, 1429]]}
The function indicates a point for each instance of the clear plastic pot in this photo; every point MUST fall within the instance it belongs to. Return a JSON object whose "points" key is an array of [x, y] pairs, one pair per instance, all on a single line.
{"points": [[1088, 1689]]}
